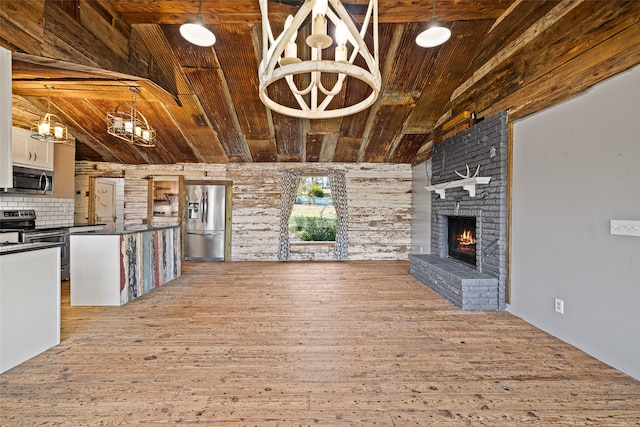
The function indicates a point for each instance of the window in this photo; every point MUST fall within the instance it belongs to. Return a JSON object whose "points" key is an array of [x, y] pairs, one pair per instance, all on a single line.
{"points": [[338, 192], [313, 217]]}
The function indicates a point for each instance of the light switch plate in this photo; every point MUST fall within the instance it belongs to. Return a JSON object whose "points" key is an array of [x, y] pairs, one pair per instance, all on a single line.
{"points": [[625, 228]]}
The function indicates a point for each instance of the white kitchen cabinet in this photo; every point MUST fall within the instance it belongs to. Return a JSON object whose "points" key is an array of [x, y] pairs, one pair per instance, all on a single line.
{"points": [[6, 169], [30, 152], [29, 304]]}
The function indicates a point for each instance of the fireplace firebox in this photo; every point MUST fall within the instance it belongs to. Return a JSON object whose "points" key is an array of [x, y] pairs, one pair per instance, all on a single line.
{"points": [[461, 231]]}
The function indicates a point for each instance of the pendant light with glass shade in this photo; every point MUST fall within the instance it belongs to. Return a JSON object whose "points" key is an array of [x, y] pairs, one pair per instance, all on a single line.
{"points": [[196, 33], [49, 127], [436, 32]]}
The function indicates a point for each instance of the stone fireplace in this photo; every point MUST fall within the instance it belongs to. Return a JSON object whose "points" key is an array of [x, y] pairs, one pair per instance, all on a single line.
{"points": [[467, 264]]}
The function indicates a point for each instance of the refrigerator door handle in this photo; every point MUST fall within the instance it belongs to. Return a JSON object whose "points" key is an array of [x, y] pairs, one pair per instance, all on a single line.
{"points": [[205, 210]]}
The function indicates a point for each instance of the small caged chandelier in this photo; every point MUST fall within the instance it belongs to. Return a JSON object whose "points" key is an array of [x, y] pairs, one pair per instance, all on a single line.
{"points": [[49, 127], [280, 60], [131, 125]]}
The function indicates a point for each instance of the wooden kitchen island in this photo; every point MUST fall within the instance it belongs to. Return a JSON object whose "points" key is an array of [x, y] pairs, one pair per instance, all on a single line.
{"points": [[115, 266]]}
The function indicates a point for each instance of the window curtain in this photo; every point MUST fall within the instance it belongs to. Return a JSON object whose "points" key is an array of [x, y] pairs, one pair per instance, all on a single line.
{"points": [[290, 182], [339, 195]]}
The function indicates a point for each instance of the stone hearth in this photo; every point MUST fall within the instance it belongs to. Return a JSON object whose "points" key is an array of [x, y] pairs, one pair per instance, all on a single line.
{"points": [[461, 284]]}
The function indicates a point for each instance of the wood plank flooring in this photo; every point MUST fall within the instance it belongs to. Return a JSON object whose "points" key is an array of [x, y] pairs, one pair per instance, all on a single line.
{"points": [[308, 343]]}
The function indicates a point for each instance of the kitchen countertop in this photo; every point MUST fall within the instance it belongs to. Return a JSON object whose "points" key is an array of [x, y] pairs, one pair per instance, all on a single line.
{"points": [[125, 230], [25, 247], [78, 228]]}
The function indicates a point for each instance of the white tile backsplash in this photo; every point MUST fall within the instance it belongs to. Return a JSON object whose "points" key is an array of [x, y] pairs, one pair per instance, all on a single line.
{"points": [[50, 212]]}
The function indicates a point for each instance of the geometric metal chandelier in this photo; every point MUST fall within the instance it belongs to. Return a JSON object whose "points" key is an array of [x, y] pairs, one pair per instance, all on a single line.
{"points": [[315, 82], [49, 127], [128, 124]]}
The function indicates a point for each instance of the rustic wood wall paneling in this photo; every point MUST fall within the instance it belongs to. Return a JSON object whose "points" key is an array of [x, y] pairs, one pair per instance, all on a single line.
{"points": [[256, 210], [603, 61], [64, 39], [543, 66], [318, 252], [379, 198], [107, 26], [81, 199], [511, 25], [21, 22]]}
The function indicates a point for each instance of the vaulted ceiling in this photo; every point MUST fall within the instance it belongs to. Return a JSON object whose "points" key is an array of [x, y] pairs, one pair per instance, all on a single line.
{"points": [[79, 58]]}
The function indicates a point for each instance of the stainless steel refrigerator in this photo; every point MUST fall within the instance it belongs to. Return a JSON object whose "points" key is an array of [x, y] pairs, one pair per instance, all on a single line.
{"points": [[205, 223]]}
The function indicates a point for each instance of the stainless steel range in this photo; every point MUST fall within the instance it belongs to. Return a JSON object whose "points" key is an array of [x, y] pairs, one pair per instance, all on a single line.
{"points": [[24, 222]]}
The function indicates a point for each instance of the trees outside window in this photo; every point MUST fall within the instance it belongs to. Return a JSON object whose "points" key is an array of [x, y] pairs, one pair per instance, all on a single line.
{"points": [[313, 218]]}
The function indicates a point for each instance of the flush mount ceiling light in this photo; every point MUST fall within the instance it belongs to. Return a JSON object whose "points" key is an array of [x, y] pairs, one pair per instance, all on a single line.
{"points": [[280, 60], [196, 33], [436, 32], [49, 127], [130, 125]]}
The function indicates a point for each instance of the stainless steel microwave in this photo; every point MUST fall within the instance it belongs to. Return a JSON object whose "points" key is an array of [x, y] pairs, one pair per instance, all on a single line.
{"points": [[28, 180]]}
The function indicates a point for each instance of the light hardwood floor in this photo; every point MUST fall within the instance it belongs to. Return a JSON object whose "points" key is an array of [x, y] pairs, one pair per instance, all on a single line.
{"points": [[317, 343]]}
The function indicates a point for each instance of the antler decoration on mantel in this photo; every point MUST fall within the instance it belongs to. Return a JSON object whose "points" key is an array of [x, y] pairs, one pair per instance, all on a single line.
{"points": [[467, 182], [468, 175]]}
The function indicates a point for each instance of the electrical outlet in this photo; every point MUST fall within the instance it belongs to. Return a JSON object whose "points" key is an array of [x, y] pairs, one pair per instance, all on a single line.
{"points": [[559, 306]]}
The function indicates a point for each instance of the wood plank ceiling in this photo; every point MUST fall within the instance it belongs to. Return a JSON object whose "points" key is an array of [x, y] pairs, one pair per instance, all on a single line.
{"points": [[78, 59]]}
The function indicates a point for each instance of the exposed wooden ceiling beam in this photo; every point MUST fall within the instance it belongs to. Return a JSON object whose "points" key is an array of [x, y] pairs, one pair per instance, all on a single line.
{"points": [[248, 11], [33, 76]]}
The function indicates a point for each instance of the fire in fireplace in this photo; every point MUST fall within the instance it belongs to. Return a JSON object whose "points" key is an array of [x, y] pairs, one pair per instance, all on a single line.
{"points": [[462, 239]]}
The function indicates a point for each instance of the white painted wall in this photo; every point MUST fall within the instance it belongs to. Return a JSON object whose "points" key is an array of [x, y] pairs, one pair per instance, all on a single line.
{"points": [[421, 208], [575, 167]]}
